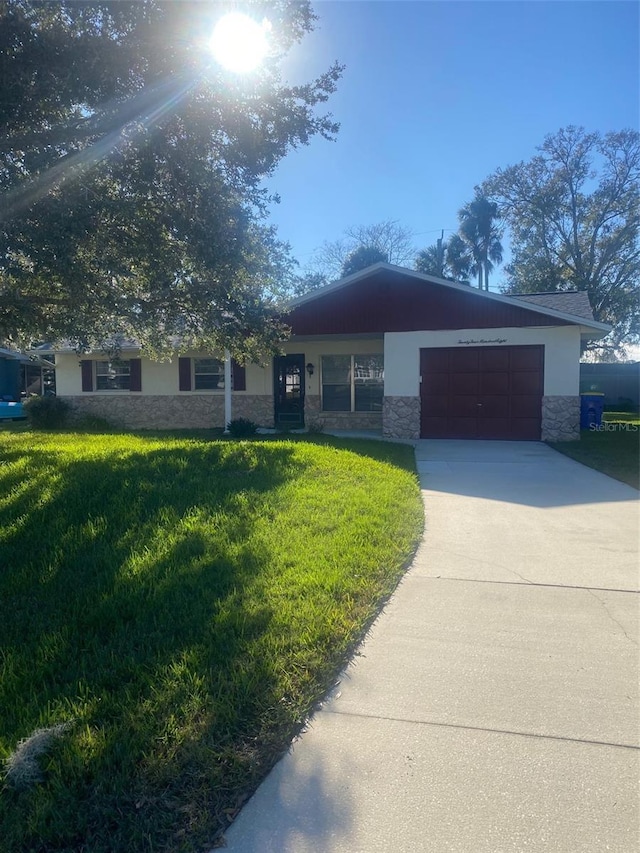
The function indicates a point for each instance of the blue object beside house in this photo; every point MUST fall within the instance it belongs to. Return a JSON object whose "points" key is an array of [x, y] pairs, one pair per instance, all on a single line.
{"points": [[10, 379], [11, 411], [21, 376]]}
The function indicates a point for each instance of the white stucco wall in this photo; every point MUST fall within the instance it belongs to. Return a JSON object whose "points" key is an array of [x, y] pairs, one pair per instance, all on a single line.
{"points": [[159, 378], [68, 378], [401, 355], [314, 350], [561, 355]]}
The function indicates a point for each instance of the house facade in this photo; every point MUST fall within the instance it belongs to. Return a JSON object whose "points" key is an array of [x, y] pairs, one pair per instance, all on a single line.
{"points": [[387, 349]]}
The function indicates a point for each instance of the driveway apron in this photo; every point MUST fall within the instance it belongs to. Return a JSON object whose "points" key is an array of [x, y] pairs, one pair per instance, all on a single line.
{"points": [[493, 707]]}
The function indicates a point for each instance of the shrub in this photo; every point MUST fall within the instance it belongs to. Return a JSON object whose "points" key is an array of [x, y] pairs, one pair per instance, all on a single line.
{"points": [[315, 427], [47, 412], [242, 427]]}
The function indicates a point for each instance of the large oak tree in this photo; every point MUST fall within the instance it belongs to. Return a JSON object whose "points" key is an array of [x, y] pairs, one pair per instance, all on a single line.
{"points": [[574, 216], [131, 172]]}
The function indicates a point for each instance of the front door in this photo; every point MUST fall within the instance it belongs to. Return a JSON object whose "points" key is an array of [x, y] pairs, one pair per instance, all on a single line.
{"points": [[288, 392]]}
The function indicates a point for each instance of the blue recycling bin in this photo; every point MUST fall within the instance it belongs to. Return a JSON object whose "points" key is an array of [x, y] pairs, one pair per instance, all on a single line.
{"points": [[591, 409]]}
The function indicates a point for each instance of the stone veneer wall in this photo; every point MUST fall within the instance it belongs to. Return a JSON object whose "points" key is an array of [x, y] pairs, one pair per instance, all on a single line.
{"points": [[401, 417], [560, 418], [338, 420], [256, 407], [191, 411]]}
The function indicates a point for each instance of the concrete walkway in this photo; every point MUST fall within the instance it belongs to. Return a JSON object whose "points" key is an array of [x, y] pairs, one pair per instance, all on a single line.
{"points": [[494, 706]]}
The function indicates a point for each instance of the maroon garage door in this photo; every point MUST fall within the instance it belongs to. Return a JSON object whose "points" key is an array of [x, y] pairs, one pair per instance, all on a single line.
{"points": [[481, 392]]}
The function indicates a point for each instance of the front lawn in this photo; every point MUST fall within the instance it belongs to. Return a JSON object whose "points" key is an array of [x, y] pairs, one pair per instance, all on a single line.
{"points": [[621, 417], [612, 449], [181, 604]]}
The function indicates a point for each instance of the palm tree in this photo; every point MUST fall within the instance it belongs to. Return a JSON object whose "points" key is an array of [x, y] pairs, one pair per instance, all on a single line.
{"points": [[430, 261], [459, 260], [450, 260], [480, 232]]}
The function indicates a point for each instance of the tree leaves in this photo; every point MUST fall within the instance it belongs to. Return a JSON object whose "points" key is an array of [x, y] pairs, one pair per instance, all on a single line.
{"points": [[574, 215], [131, 173]]}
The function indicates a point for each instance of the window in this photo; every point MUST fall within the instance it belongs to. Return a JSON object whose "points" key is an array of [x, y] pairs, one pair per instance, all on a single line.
{"points": [[352, 383], [336, 383], [208, 374], [368, 376], [113, 376]]}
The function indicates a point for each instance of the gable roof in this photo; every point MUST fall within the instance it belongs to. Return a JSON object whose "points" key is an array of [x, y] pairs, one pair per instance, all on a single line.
{"points": [[557, 307]]}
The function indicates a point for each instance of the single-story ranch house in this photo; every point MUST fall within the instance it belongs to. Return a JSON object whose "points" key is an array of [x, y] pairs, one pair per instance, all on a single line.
{"points": [[385, 349]]}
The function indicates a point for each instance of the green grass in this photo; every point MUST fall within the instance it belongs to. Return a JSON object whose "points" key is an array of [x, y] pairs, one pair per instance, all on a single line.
{"points": [[622, 417], [614, 449], [184, 603]]}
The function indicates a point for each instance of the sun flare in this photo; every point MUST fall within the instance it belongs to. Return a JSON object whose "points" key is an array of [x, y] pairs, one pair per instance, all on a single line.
{"points": [[239, 42]]}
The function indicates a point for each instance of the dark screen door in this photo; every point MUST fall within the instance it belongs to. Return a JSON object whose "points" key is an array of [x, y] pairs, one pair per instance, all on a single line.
{"points": [[288, 392]]}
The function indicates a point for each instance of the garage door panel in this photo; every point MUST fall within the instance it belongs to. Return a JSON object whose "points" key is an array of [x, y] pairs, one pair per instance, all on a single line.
{"points": [[526, 358], [494, 359], [435, 383], [436, 406], [463, 384], [434, 360], [464, 361], [464, 407], [495, 383], [482, 392], [526, 383], [494, 407]]}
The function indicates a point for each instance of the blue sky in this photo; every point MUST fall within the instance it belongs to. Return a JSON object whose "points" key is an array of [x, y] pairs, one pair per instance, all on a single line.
{"points": [[436, 95]]}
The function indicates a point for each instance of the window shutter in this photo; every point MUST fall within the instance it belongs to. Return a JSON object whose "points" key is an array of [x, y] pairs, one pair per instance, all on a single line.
{"points": [[184, 374], [86, 366], [135, 374], [238, 376]]}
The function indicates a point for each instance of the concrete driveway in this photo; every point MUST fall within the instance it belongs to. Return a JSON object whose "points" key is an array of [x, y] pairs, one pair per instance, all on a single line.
{"points": [[494, 706]]}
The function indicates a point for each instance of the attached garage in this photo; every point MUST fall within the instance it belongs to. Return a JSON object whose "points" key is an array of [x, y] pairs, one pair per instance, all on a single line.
{"points": [[459, 363], [481, 392]]}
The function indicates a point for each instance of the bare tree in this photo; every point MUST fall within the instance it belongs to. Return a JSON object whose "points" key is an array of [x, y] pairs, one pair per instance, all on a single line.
{"points": [[391, 239]]}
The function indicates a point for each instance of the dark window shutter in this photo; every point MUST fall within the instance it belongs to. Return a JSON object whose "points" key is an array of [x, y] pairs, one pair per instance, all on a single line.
{"points": [[184, 374], [238, 376], [135, 374], [86, 366]]}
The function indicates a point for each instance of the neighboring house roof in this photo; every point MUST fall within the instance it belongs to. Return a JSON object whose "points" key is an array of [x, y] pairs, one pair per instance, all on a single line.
{"points": [[13, 355], [124, 345], [561, 309], [22, 357], [574, 302]]}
